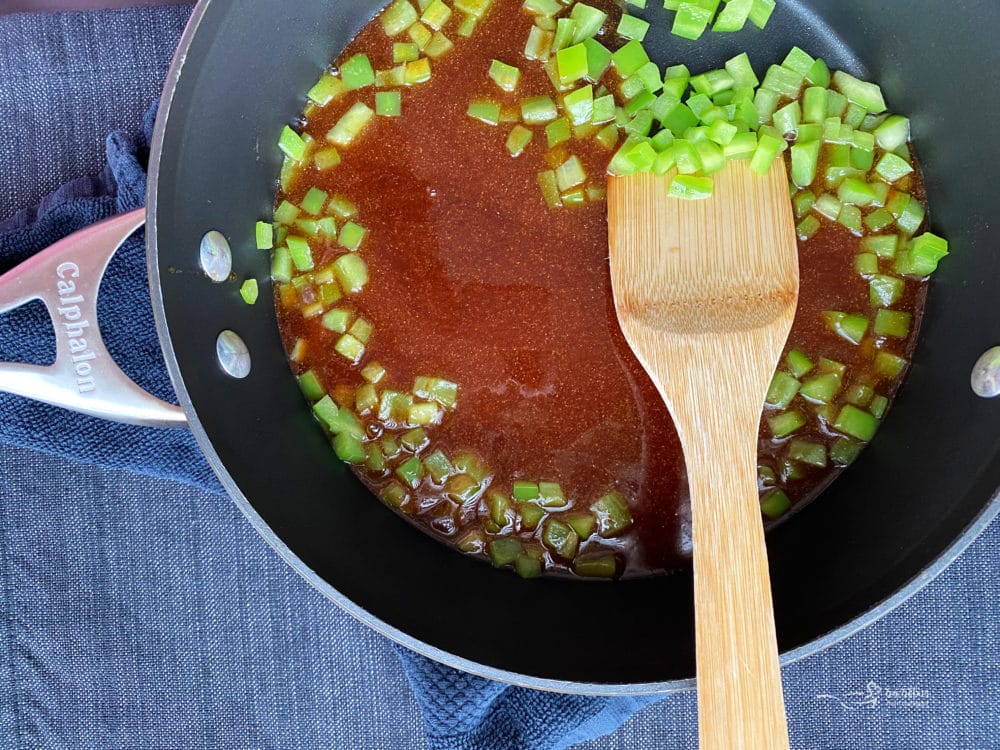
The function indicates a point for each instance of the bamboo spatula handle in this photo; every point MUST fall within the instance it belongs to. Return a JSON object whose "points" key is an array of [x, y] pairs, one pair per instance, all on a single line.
{"points": [[740, 704]]}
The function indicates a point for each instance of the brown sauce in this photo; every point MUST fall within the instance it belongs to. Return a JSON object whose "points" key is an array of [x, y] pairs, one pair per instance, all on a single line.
{"points": [[474, 279]]}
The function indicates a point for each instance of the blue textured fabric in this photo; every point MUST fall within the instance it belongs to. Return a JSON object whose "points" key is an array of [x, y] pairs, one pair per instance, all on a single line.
{"points": [[143, 613]]}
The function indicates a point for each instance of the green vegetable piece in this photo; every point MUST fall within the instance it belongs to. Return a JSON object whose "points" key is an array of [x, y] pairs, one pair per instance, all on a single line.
{"points": [[423, 413], [856, 192], [528, 565], [798, 363], [786, 82], [892, 168], [691, 21], [365, 399], [911, 217], [885, 291], [518, 140], [523, 490], [349, 348], [588, 20], [538, 110], [505, 76], [530, 515], [691, 187], [598, 58], [264, 235], [612, 514], [418, 71], [889, 365], [878, 220], [436, 14], [582, 523], [281, 265], [326, 89], [461, 488], [351, 271], [560, 538], [844, 451], [859, 394], [786, 423], [570, 174], [351, 124], [775, 504], [878, 406], [850, 217], [484, 110], [867, 95], [549, 188], [410, 472], [558, 131], [348, 448], [443, 391], [579, 105], [314, 201], [596, 566], [631, 27], [733, 16], [848, 326], [310, 385], [501, 509], [883, 246], [438, 466], [472, 542], [398, 17], [761, 12], [538, 45], [629, 58], [894, 323], [292, 145], [821, 389], [893, 132], [866, 264], [828, 206], [925, 253], [572, 64], [504, 551], [551, 495], [388, 103], [286, 212], [813, 454], [768, 148], [298, 248], [249, 291], [782, 390], [394, 494], [357, 72], [403, 52], [375, 461], [857, 423], [819, 74], [337, 320], [805, 158]]}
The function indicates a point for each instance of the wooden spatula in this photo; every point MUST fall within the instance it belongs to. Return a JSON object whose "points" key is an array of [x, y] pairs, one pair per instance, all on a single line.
{"points": [[705, 292]]}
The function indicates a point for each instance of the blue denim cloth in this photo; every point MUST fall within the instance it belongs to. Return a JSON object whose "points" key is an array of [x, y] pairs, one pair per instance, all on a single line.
{"points": [[137, 612]]}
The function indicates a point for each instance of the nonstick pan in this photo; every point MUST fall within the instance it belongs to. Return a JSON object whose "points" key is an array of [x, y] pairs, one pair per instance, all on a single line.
{"points": [[908, 506]]}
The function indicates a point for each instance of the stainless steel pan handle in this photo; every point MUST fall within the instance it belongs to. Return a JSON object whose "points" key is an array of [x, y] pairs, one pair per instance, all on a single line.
{"points": [[84, 377]]}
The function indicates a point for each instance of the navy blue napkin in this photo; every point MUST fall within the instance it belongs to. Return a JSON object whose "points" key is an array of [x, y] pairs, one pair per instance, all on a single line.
{"points": [[461, 712]]}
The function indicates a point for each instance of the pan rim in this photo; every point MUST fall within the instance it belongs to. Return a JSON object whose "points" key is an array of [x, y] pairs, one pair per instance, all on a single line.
{"points": [[948, 555]]}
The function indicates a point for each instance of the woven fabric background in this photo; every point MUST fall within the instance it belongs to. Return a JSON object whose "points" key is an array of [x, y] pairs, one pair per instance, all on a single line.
{"points": [[142, 613]]}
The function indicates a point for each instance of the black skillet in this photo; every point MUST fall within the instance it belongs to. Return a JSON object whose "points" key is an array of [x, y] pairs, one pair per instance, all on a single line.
{"points": [[895, 519]]}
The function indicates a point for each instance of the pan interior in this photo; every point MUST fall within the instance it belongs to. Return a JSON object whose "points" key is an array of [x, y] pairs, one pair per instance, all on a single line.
{"points": [[929, 475]]}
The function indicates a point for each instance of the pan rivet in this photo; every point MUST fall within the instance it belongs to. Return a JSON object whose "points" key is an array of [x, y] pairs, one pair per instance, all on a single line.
{"points": [[216, 258], [233, 354], [986, 374]]}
